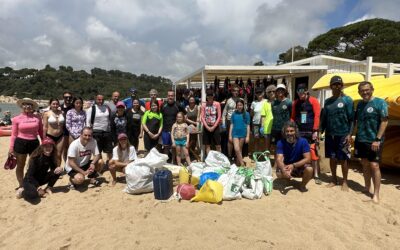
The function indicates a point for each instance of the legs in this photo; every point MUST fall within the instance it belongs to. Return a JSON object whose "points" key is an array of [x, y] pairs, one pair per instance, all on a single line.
{"points": [[178, 155], [376, 179], [307, 175], [60, 146], [367, 174], [113, 171], [186, 153], [19, 171], [238, 146]]}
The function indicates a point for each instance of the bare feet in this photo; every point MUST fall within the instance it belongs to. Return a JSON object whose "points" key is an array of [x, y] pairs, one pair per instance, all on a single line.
{"points": [[48, 190], [18, 193], [113, 182], [375, 199], [345, 187], [302, 188], [42, 193]]}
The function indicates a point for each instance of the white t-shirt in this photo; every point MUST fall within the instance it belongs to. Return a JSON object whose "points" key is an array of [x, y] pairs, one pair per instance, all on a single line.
{"points": [[256, 107], [101, 119], [125, 157], [82, 154]]}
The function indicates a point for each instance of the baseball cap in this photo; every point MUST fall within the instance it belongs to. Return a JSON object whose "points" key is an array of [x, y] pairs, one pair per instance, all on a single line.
{"points": [[302, 87], [47, 141], [281, 86], [120, 104], [122, 136], [336, 79], [133, 90]]}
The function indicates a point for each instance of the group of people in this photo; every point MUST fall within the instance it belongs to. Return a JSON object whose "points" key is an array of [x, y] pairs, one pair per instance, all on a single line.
{"points": [[272, 122]]}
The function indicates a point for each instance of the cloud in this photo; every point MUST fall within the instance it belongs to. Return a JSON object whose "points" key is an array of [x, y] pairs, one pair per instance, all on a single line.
{"points": [[43, 40], [363, 18]]}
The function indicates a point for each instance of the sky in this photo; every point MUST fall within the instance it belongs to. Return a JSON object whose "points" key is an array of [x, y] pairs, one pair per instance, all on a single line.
{"points": [[170, 38]]}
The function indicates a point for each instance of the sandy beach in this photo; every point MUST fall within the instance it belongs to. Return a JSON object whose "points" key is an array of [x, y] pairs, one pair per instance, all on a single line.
{"points": [[107, 218]]}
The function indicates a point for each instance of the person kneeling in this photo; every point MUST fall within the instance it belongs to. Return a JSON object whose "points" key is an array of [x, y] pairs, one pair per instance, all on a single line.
{"points": [[42, 170], [293, 156], [79, 165], [123, 154]]}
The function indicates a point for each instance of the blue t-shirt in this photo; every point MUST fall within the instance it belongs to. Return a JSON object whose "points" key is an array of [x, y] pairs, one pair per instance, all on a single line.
{"points": [[292, 152], [240, 124]]}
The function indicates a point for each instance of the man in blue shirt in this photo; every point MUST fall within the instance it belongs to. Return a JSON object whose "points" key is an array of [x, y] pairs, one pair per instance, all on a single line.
{"points": [[293, 156]]}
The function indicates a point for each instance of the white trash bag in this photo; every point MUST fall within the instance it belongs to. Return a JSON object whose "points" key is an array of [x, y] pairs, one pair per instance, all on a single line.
{"points": [[139, 174], [196, 168], [264, 169], [232, 183], [217, 159], [255, 190]]}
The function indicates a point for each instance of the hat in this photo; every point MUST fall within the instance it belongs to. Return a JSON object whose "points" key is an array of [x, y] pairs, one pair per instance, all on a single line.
{"points": [[27, 100], [336, 79], [259, 90], [122, 136], [302, 86], [47, 141], [133, 91], [270, 88], [281, 86], [120, 104]]}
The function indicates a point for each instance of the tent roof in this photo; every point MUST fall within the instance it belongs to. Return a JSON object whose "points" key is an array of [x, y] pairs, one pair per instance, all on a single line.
{"points": [[223, 71]]}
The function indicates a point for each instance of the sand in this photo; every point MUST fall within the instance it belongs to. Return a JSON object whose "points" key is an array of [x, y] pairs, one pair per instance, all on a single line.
{"points": [[107, 218]]}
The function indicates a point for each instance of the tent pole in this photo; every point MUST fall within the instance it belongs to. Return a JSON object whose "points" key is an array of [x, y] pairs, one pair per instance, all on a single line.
{"points": [[203, 100], [369, 69]]}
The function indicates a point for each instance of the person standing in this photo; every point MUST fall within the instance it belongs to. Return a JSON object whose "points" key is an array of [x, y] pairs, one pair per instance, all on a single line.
{"points": [[371, 122], [169, 111], [240, 130], [76, 119], [337, 123], [281, 111], [153, 98], [210, 117], [98, 118], [306, 113], [134, 127], [152, 123], [229, 108], [65, 107], [255, 111], [193, 121], [118, 122], [26, 128], [113, 103], [267, 118]]}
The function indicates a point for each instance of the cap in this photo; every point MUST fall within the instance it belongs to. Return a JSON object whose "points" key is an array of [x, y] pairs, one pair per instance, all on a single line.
{"points": [[259, 90], [336, 79], [133, 90], [47, 141], [270, 88], [122, 136], [120, 104], [281, 86]]}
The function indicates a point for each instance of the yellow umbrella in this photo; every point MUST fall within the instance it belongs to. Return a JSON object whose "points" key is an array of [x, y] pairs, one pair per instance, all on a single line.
{"points": [[348, 79]]}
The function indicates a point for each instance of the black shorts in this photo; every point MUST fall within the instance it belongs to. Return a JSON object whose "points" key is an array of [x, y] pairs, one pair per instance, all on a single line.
{"points": [[72, 173], [211, 138], [336, 148], [363, 150], [297, 172], [55, 138], [22, 146], [276, 135], [104, 141]]}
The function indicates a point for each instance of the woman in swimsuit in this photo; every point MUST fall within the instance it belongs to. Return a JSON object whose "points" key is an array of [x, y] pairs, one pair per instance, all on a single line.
{"points": [[53, 126]]}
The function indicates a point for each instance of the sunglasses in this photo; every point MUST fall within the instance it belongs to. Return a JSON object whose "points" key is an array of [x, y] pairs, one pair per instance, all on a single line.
{"points": [[270, 92], [67, 97], [301, 90], [27, 104]]}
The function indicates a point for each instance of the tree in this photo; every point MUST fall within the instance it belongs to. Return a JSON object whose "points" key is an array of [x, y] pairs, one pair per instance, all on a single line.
{"points": [[259, 63], [375, 37], [299, 53]]}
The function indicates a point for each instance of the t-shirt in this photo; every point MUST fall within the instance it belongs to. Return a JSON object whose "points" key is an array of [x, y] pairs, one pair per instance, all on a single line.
{"points": [[169, 112], [281, 111], [256, 107], [125, 158], [369, 116], [240, 123], [101, 119], [26, 126], [337, 116], [292, 152], [82, 154], [266, 111], [229, 108]]}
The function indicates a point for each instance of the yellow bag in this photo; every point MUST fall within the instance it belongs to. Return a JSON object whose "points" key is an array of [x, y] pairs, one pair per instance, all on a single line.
{"points": [[186, 178], [210, 192]]}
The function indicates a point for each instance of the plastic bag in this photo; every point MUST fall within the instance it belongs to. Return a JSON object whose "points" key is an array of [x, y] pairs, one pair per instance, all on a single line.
{"points": [[139, 174], [186, 178], [210, 192], [217, 159], [196, 168], [232, 184], [268, 183], [185, 191], [208, 176], [264, 168], [255, 190]]}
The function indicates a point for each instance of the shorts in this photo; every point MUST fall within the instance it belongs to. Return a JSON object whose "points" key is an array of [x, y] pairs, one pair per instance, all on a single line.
{"points": [[335, 148], [297, 172], [256, 130], [210, 138], [56, 139], [104, 141], [276, 135], [85, 167], [363, 150], [180, 142], [22, 146], [166, 138]]}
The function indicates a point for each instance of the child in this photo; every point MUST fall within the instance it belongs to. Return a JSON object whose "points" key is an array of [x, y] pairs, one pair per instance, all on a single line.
{"points": [[180, 138], [240, 130]]}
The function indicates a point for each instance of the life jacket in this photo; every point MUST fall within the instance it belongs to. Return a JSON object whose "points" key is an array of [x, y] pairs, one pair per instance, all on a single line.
{"points": [[304, 106]]}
